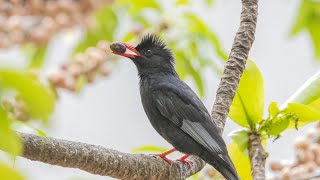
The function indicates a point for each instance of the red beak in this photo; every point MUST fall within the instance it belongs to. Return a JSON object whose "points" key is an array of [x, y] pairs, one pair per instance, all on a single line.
{"points": [[129, 55]]}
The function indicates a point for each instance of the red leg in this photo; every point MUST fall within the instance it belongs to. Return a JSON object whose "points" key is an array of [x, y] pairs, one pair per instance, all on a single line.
{"points": [[183, 159], [163, 155]]}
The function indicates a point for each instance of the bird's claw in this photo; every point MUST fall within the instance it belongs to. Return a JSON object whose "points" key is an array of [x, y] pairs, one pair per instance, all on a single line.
{"points": [[162, 157], [183, 159], [187, 163]]}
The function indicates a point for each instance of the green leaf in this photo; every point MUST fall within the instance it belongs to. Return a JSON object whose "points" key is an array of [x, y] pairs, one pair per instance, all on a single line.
{"points": [[273, 109], [196, 24], [182, 2], [128, 37], [276, 125], [149, 148], [40, 100], [241, 138], [315, 104], [247, 106], [185, 68], [305, 100], [241, 161], [308, 92], [16, 125], [301, 19], [306, 114], [138, 5], [142, 20], [35, 54], [218, 48], [195, 177], [7, 173], [209, 2], [308, 19], [9, 141], [180, 66], [91, 39], [197, 27], [106, 24], [315, 36]]}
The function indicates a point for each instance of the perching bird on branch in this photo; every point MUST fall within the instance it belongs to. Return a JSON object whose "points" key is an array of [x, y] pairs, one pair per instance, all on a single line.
{"points": [[173, 109]]}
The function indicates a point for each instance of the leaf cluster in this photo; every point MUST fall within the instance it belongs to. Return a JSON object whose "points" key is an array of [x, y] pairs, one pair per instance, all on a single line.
{"points": [[247, 111]]}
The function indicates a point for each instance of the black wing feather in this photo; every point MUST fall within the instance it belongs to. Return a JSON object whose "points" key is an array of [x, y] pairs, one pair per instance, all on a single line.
{"points": [[192, 120], [178, 103]]}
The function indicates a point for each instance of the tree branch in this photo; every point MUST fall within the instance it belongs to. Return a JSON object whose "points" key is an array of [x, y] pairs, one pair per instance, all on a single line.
{"points": [[236, 62], [102, 161], [229, 83], [107, 162], [257, 156]]}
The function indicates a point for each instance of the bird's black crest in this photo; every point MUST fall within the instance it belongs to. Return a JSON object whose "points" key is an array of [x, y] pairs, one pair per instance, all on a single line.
{"points": [[154, 41], [151, 40]]}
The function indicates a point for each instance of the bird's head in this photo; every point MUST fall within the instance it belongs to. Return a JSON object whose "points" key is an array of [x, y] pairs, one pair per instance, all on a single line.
{"points": [[150, 55]]}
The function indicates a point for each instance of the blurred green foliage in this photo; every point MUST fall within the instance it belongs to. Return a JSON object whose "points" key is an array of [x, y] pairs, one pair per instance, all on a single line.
{"points": [[135, 7], [10, 143], [196, 48], [150, 148], [106, 22], [9, 140], [308, 19], [189, 52], [36, 55], [7, 173], [40, 99], [17, 124], [309, 92]]}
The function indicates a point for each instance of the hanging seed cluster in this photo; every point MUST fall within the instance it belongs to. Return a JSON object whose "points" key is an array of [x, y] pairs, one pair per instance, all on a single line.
{"points": [[85, 66], [307, 160], [36, 21]]}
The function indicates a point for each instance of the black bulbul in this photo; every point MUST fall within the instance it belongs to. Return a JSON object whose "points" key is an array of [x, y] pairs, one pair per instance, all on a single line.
{"points": [[173, 109]]}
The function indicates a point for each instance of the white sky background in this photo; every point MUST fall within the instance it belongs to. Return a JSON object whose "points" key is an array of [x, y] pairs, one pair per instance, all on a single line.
{"points": [[109, 112]]}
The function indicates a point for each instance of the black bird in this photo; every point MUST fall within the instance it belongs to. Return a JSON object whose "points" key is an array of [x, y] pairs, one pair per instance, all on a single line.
{"points": [[173, 109]]}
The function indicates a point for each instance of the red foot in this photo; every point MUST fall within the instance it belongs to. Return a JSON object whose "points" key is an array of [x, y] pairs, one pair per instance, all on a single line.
{"points": [[183, 159], [164, 158], [163, 155]]}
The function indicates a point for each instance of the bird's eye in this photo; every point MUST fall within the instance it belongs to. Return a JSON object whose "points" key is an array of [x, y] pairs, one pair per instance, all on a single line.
{"points": [[148, 52]]}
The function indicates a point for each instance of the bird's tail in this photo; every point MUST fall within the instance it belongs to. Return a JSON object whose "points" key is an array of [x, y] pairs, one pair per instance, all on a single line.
{"points": [[223, 164]]}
